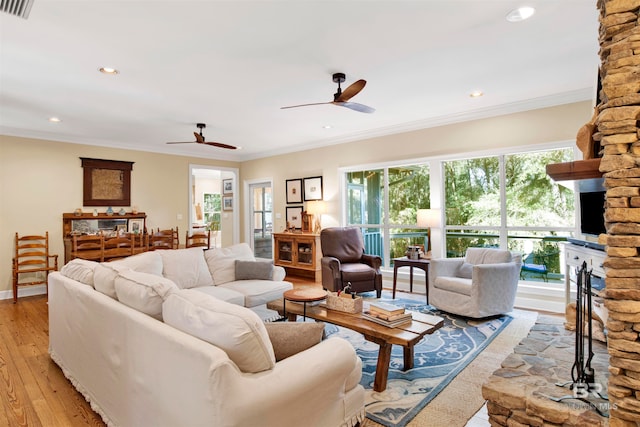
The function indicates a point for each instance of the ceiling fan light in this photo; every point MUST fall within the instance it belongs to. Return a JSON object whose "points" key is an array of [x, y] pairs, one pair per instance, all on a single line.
{"points": [[520, 14]]}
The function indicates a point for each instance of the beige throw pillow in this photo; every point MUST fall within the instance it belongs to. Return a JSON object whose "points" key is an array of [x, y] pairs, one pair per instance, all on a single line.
{"points": [[289, 338]]}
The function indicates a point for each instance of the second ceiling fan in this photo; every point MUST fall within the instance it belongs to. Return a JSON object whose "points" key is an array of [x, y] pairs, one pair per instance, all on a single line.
{"points": [[341, 97], [200, 139]]}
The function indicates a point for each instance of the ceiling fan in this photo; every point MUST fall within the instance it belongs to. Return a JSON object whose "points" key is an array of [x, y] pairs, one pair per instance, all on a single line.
{"points": [[200, 139], [341, 97]]}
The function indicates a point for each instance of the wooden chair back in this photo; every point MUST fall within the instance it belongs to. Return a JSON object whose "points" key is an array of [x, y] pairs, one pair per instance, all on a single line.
{"points": [[32, 259], [198, 238], [118, 247], [164, 239], [89, 247]]}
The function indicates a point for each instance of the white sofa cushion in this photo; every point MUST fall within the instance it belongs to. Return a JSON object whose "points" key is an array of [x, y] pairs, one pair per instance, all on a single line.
{"points": [[236, 330], [225, 294], [258, 292], [80, 270], [143, 291], [459, 285], [222, 261], [105, 273], [187, 268]]}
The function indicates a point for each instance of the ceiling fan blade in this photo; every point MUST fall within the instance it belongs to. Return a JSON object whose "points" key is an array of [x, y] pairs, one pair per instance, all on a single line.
{"points": [[351, 91], [220, 145], [306, 105], [356, 107], [183, 142], [199, 137]]}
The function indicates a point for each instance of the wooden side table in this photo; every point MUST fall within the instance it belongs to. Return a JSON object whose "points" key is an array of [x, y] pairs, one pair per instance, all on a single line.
{"points": [[304, 296], [422, 264]]}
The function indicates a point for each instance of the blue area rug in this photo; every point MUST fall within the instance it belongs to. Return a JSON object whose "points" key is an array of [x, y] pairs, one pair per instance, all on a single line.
{"points": [[439, 357]]}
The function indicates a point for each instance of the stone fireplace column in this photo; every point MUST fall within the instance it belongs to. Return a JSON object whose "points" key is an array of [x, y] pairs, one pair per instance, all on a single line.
{"points": [[618, 134]]}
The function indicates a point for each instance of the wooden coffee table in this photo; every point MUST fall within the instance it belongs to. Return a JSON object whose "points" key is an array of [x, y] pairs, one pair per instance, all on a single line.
{"points": [[407, 335]]}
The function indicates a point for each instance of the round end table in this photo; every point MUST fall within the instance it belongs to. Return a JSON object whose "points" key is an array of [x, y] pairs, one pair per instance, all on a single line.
{"points": [[303, 295]]}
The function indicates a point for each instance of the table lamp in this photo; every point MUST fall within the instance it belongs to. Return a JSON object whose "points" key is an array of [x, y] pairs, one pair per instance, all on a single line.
{"points": [[316, 208], [428, 218]]}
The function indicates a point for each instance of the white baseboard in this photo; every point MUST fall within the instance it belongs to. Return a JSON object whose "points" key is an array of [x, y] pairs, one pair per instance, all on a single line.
{"points": [[25, 291]]}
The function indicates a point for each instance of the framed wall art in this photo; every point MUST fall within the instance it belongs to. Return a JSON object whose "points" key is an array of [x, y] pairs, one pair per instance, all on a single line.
{"points": [[294, 217], [294, 191], [227, 203], [106, 182], [313, 188], [136, 226], [227, 186]]}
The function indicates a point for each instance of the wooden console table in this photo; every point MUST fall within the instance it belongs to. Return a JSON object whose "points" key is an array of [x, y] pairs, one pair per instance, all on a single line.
{"points": [[74, 223], [298, 253]]}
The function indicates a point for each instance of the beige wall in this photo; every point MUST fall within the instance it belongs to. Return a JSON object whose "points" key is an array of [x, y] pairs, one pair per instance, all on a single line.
{"points": [[40, 180], [546, 125]]}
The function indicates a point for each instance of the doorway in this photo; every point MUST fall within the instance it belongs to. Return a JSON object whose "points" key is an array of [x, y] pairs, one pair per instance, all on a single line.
{"points": [[261, 218], [212, 204]]}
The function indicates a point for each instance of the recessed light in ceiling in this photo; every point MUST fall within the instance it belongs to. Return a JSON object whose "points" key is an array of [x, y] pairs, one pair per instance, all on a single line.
{"points": [[476, 94], [108, 70], [326, 127], [54, 120], [520, 14]]}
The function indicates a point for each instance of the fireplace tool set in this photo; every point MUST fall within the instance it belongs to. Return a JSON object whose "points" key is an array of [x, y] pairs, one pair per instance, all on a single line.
{"points": [[583, 381]]}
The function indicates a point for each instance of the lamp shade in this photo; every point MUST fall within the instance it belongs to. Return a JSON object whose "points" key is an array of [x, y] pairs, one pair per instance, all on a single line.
{"points": [[428, 218]]}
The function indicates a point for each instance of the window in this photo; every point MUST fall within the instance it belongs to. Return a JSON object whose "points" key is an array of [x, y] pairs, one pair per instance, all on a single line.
{"points": [[508, 201], [407, 190], [212, 207]]}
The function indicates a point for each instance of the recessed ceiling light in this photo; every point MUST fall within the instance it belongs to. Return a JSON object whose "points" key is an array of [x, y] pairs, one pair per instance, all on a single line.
{"points": [[54, 120], [476, 94], [108, 70], [520, 14], [326, 127]]}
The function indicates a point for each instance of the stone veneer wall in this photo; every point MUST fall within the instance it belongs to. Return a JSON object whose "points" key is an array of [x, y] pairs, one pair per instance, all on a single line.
{"points": [[617, 131]]}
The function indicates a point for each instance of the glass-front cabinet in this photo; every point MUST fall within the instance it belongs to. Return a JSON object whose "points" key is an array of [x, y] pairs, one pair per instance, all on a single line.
{"points": [[298, 253]]}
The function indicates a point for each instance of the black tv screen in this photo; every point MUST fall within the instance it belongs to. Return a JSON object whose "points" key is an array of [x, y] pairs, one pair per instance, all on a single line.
{"points": [[592, 213]]}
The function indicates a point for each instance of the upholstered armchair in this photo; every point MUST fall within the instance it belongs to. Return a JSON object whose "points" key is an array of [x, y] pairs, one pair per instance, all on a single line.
{"points": [[481, 284], [344, 261]]}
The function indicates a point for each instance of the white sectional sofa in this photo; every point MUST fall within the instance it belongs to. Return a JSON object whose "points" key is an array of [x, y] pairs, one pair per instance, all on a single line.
{"points": [[148, 343]]}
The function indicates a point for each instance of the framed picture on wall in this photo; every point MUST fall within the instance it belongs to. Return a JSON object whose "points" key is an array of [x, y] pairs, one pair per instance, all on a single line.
{"points": [[294, 216], [136, 226], [227, 186], [227, 203], [313, 188], [294, 191]]}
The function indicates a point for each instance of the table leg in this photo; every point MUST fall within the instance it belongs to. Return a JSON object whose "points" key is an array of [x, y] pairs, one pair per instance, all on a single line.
{"points": [[382, 368], [395, 278], [304, 311], [426, 283], [410, 278], [408, 358]]}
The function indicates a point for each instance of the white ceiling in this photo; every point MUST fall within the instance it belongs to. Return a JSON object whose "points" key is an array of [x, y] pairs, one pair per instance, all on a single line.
{"points": [[233, 64]]}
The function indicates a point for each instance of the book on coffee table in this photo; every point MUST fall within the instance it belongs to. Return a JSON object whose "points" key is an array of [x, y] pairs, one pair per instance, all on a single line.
{"points": [[385, 308], [398, 319]]}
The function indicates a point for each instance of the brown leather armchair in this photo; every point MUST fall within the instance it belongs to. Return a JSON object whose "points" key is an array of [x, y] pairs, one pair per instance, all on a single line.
{"points": [[344, 261]]}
